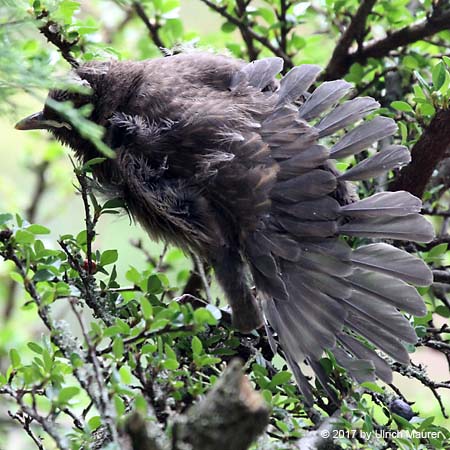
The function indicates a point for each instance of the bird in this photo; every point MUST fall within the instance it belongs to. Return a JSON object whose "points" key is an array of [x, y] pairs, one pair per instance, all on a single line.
{"points": [[236, 164]]}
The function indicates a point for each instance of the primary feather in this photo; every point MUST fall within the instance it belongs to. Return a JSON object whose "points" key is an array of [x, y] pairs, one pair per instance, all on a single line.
{"points": [[216, 156]]}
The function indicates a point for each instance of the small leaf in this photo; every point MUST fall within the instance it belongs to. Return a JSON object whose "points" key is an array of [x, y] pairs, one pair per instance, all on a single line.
{"points": [[65, 394], [280, 378], [228, 27], [158, 325], [15, 358], [438, 75], [154, 285], [24, 237], [197, 346], [402, 106], [171, 364], [4, 218], [202, 316], [38, 229], [114, 203], [438, 250], [108, 257], [125, 374], [372, 387], [92, 162], [94, 422], [43, 275], [117, 348], [147, 308], [443, 311], [119, 404], [35, 347]]}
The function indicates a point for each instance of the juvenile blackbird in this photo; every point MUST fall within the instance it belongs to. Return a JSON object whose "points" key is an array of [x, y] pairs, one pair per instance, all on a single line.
{"points": [[218, 157]]}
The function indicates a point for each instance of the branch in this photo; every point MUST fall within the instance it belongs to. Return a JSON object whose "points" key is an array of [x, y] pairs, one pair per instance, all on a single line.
{"points": [[256, 36], [143, 435], [354, 31], [40, 171], [52, 31], [153, 28], [426, 154], [436, 22], [441, 276], [241, 12], [412, 371], [31, 414], [26, 421], [230, 417], [317, 439]]}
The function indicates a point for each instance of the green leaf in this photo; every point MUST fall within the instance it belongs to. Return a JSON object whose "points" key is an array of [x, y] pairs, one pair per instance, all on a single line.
{"points": [[171, 364], [133, 275], [119, 404], [410, 62], [443, 311], [92, 162], [82, 238], [125, 374], [38, 229], [4, 218], [170, 352], [421, 81], [147, 308], [114, 203], [204, 317], [402, 106], [372, 387], [421, 330], [16, 277], [94, 422], [122, 326], [24, 237], [197, 346], [267, 14], [117, 347], [438, 75], [403, 132], [207, 361], [280, 378], [438, 250], [35, 347], [154, 285], [228, 27], [158, 324], [43, 275], [427, 109], [15, 358], [108, 257], [67, 393]]}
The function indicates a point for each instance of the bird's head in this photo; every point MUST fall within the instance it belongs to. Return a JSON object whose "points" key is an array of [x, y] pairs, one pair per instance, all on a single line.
{"points": [[88, 86]]}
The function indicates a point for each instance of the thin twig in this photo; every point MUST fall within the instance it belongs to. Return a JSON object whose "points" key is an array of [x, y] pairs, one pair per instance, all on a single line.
{"points": [[340, 63], [222, 10], [153, 28], [202, 273], [52, 31], [354, 30]]}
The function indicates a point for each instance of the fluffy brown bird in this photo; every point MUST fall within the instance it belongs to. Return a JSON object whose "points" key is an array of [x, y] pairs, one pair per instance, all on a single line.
{"points": [[220, 158]]}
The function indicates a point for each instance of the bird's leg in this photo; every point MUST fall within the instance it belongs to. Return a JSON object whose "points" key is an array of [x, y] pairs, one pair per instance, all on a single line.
{"points": [[230, 272]]}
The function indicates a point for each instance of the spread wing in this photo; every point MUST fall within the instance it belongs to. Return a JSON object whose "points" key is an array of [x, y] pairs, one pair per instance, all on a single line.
{"points": [[319, 293]]}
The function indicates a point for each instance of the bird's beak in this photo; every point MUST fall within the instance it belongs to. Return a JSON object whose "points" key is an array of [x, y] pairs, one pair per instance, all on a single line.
{"points": [[37, 122], [34, 122]]}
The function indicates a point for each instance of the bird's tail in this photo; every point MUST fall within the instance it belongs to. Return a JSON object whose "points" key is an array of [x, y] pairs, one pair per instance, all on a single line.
{"points": [[319, 293]]}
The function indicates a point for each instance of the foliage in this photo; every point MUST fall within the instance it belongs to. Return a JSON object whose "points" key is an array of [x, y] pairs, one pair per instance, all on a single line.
{"points": [[131, 342]]}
